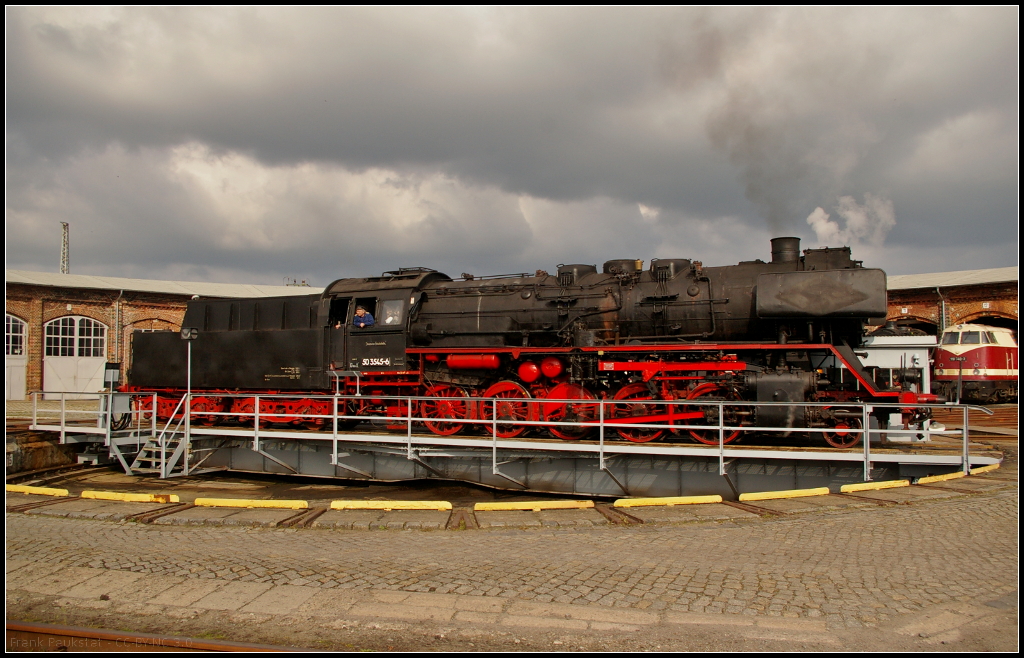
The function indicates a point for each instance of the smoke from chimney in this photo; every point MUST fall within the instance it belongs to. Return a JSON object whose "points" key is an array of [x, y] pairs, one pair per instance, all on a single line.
{"points": [[870, 222]]}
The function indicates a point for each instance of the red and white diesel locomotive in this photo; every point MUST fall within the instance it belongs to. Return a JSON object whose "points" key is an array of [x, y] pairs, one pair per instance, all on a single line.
{"points": [[976, 363], [777, 331]]}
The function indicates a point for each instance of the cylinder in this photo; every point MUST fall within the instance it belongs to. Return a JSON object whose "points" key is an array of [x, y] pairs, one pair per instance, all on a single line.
{"points": [[473, 361], [785, 250]]}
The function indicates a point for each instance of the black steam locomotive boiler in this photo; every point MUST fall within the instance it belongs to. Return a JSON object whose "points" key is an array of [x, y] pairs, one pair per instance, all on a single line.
{"points": [[778, 331]]}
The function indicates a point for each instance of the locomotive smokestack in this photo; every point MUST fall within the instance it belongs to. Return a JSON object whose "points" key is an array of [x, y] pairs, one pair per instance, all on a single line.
{"points": [[785, 250]]}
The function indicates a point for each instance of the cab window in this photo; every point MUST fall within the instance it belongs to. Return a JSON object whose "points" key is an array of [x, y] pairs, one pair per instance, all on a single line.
{"points": [[951, 338], [368, 303], [970, 338], [338, 312], [391, 313], [990, 338]]}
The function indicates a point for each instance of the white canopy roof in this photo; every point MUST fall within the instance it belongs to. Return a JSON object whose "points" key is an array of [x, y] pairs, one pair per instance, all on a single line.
{"points": [[186, 288], [949, 279]]}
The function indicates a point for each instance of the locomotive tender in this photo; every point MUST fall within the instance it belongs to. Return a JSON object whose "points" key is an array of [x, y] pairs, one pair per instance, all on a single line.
{"points": [[777, 331]]}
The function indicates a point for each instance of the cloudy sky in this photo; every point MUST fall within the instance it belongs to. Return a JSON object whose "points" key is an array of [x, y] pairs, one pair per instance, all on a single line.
{"points": [[251, 145]]}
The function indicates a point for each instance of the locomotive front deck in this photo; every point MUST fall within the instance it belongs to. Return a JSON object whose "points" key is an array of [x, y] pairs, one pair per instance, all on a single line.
{"points": [[396, 448]]}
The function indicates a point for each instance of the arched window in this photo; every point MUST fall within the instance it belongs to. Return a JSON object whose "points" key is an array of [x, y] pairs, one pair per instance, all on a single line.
{"points": [[92, 338], [15, 337], [75, 336]]}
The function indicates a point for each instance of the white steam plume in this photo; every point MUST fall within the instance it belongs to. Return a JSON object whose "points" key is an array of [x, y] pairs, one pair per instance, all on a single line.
{"points": [[870, 222], [649, 213]]}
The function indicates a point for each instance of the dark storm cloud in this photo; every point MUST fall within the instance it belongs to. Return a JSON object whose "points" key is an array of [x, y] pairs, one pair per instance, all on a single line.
{"points": [[550, 104], [321, 142]]}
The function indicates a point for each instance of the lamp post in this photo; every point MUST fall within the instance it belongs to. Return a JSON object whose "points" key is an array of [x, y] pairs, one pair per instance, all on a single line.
{"points": [[188, 334]]}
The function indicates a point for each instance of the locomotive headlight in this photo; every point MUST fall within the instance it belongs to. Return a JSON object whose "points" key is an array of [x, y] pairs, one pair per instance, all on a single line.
{"points": [[977, 371]]}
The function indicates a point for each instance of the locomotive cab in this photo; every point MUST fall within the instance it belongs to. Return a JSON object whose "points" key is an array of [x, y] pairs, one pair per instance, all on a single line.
{"points": [[381, 346], [378, 347], [391, 299]]}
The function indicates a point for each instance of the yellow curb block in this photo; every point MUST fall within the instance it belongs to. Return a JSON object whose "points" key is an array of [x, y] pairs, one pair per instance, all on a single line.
{"points": [[676, 500], [534, 505], [985, 469], [940, 478], [872, 486], [40, 491], [241, 502], [131, 497], [792, 493], [388, 505]]}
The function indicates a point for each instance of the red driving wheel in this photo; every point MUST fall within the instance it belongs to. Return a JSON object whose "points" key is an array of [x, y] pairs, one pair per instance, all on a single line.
{"points": [[444, 409], [636, 402], [564, 408], [511, 405], [710, 391]]}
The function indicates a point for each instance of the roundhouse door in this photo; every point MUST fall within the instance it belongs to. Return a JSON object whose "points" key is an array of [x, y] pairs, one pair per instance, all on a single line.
{"points": [[16, 361], [74, 357]]}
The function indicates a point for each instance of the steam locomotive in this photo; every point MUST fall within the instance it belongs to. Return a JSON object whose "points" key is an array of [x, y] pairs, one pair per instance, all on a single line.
{"points": [[778, 331]]}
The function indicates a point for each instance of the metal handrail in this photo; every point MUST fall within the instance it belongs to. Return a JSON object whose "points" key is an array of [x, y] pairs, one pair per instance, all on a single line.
{"points": [[599, 404], [599, 420], [579, 402], [162, 437]]}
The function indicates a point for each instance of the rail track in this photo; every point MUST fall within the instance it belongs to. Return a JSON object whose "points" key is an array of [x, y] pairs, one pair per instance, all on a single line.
{"points": [[1004, 415], [29, 636]]}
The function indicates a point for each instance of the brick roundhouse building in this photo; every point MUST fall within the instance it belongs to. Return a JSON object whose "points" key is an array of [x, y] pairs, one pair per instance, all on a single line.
{"points": [[932, 302], [61, 329]]}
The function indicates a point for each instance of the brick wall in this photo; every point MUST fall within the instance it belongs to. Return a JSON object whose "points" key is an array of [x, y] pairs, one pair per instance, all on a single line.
{"points": [[37, 305], [963, 304]]}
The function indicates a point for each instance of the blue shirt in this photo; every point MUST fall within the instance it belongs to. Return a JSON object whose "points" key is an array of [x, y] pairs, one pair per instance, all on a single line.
{"points": [[366, 320]]}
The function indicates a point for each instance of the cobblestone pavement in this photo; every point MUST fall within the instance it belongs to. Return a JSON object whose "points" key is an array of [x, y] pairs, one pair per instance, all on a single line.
{"points": [[932, 573]]}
